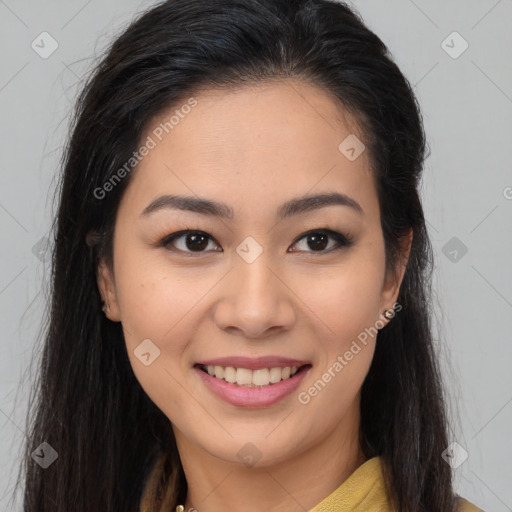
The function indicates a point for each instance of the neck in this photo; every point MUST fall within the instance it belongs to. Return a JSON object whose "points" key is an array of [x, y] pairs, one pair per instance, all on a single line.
{"points": [[295, 484]]}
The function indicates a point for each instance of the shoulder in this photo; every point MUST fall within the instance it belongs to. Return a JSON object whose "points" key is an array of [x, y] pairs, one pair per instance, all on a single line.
{"points": [[464, 505]]}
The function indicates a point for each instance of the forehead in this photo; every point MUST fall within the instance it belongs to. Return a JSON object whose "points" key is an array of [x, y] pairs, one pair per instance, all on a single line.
{"points": [[271, 119], [252, 146]]}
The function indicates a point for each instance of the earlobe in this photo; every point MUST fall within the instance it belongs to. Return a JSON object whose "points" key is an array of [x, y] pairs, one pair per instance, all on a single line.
{"points": [[106, 287]]}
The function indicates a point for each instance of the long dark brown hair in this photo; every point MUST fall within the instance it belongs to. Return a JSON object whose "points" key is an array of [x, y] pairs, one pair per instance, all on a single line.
{"points": [[87, 404]]}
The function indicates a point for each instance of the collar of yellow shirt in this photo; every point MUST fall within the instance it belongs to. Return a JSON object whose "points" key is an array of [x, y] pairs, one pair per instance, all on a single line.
{"points": [[365, 491]]}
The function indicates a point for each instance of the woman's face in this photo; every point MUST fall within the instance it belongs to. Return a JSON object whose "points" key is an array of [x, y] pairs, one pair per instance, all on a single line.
{"points": [[253, 284]]}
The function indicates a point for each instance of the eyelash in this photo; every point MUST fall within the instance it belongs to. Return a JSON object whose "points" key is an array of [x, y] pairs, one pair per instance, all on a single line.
{"points": [[344, 241]]}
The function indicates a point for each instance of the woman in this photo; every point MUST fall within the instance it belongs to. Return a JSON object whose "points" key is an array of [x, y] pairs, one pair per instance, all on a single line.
{"points": [[240, 314]]}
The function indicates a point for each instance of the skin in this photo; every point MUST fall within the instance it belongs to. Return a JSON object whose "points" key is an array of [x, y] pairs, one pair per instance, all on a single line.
{"points": [[254, 148]]}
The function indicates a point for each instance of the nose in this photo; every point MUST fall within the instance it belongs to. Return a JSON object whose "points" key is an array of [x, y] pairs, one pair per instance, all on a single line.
{"points": [[256, 300]]}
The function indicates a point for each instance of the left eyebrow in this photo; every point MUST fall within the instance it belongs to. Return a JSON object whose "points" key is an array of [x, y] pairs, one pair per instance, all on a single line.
{"points": [[292, 207], [309, 203]]}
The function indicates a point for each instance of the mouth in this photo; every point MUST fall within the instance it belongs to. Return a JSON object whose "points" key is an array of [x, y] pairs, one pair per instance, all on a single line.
{"points": [[253, 378]]}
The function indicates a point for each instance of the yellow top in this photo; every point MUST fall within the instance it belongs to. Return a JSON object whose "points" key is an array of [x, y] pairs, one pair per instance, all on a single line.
{"points": [[363, 491]]}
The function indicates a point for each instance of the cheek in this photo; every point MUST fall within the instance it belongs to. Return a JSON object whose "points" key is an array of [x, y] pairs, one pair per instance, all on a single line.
{"points": [[154, 304], [347, 304], [346, 297], [152, 296]]}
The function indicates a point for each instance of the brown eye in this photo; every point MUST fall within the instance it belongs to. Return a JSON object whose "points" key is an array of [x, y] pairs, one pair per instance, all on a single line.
{"points": [[188, 241], [318, 240]]}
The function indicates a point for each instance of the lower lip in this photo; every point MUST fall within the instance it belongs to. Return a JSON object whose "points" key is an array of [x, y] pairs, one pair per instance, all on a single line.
{"points": [[252, 397]]}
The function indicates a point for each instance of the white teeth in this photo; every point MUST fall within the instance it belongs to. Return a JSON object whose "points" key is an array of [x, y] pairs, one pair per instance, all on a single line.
{"points": [[251, 378], [243, 376], [275, 375], [230, 374], [219, 372], [261, 377]]}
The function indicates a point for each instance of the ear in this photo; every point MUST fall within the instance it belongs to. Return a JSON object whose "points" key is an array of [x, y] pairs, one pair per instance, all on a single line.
{"points": [[394, 277], [106, 286]]}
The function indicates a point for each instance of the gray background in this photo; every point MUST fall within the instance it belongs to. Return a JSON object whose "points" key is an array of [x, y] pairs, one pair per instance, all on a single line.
{"points": [[467, 191]]}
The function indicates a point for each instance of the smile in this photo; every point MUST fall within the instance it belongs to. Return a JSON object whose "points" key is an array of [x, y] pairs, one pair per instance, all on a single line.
{"points": [[252, 387], [250, 378]]}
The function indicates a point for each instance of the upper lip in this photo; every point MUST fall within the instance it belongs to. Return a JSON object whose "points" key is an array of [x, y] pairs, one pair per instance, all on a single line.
{"points": [[254, 363]]}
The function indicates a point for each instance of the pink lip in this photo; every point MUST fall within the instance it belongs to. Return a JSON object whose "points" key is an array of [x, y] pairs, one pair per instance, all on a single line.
{"points": [[255, 363], [241, 396]]}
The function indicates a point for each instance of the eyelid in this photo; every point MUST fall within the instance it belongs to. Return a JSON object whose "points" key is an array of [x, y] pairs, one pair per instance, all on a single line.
{"points": [[344, 240], [168, 239]]}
